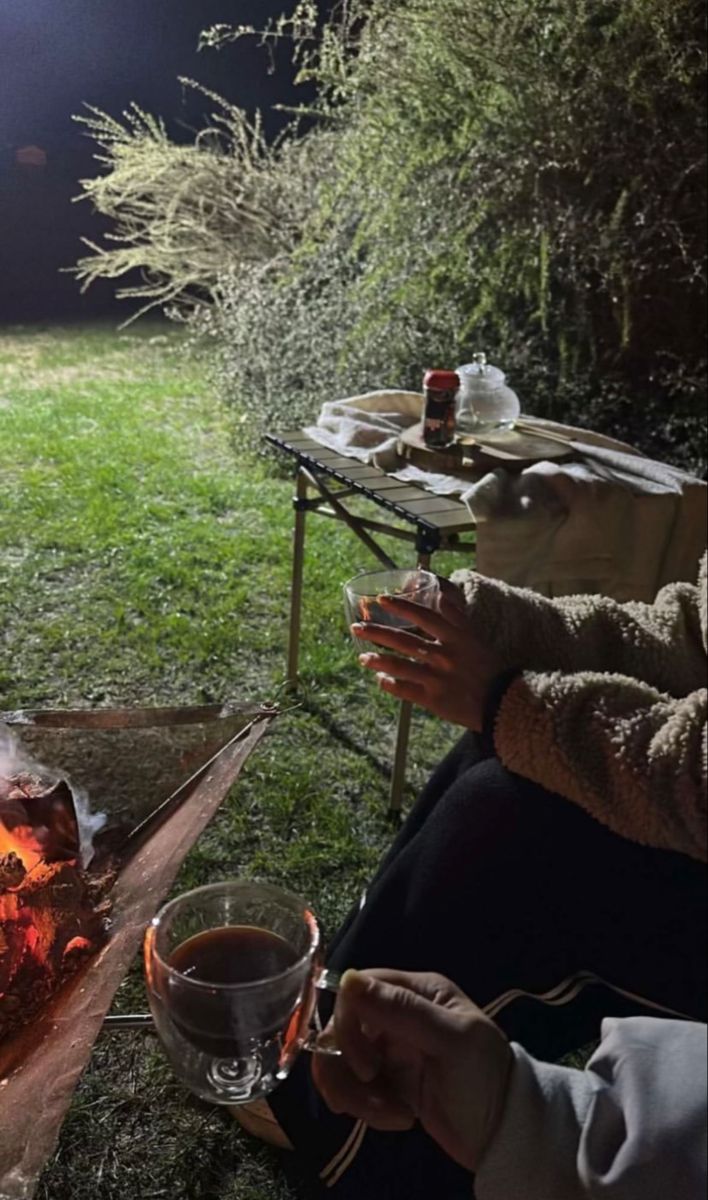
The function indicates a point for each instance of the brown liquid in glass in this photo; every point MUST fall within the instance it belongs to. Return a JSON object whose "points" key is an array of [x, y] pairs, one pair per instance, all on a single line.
{"points": [[233, 954], [219, 1022]]}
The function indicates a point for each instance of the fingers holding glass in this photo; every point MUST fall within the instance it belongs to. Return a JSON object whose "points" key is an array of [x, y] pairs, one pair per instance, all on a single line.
{"points": [[437, 621], [375, 1103], [402, 642], [411, 630], [364, 597], [396, 666]]}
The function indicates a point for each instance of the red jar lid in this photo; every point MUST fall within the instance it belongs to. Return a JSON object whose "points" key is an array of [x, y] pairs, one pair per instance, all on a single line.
{"points": [[441, 381]]}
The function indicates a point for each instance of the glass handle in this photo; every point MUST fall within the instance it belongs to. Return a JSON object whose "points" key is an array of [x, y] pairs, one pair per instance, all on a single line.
{"points": [[318, 1040], [328, 981], [323, 1042]]}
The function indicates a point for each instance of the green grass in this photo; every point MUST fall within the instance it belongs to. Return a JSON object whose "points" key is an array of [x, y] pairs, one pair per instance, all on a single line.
{"points": [[144, 559]]}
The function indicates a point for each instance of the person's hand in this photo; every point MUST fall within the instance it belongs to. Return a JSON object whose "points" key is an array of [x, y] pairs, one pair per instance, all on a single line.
{"points": [[448, 670], [415, 1048]]}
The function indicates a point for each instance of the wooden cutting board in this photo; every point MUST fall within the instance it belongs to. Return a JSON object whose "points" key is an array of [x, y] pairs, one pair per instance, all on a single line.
{"points": [[509, 448]]}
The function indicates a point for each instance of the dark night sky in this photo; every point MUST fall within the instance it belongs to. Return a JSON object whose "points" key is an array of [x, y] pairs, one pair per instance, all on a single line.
{"points": [[57, 54]]}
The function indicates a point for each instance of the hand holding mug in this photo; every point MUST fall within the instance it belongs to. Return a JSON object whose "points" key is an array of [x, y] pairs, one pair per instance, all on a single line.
{"points": [[442, 664], [415, 1048], [362, 596]]}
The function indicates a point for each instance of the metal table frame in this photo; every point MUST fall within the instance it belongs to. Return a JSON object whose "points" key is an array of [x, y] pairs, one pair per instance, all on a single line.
{"points": [[430, 523]]}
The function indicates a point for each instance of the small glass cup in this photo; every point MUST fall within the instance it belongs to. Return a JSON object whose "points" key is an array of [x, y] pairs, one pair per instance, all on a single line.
{"points": [[362, 592], [232, 972]]}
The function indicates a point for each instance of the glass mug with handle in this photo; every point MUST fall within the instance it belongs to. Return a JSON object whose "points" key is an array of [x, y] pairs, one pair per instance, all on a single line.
{"points": [[232, 972]]}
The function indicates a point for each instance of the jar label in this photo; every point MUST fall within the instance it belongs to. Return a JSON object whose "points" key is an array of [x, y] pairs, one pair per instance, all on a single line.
{"points": [[439, 417]]}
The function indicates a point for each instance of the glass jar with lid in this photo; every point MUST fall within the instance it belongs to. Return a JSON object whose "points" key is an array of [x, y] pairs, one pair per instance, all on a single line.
{"points": [[484, 402]]}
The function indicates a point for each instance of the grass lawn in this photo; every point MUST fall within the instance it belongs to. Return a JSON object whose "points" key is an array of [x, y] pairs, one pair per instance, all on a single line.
{"points": [[143, 560]]}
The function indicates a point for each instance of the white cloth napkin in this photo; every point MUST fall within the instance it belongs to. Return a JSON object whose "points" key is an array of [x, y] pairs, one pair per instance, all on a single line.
{"points": [[612, 522]]}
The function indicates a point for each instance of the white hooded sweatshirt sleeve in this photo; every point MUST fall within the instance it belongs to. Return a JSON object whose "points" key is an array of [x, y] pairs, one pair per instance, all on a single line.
{"points": [[632, 1126]]}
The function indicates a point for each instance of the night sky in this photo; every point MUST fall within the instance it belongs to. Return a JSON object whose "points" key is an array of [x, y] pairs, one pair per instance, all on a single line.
{"points": [[57, 54]]}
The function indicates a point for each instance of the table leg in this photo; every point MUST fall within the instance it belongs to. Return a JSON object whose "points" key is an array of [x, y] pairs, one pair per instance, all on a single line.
{"points": [[296, 586], [398, 778]]}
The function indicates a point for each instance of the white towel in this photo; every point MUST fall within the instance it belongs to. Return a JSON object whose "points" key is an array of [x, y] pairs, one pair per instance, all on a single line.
{"points": [[612, 522]]}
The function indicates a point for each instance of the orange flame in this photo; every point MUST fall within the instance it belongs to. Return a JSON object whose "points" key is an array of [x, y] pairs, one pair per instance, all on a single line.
{"points": [[22, 842], [47, 920]]}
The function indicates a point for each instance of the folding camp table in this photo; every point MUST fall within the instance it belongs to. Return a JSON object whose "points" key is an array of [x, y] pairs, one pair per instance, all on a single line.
{"points": [[327, 482]]}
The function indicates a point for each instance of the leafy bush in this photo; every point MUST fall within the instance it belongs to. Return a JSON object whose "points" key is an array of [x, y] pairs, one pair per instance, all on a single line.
{"points": [[522, 176], [187, 216]]}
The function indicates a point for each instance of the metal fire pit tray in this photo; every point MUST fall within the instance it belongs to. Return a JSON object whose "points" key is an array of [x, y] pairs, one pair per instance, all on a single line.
{"points": [[130, 761]]}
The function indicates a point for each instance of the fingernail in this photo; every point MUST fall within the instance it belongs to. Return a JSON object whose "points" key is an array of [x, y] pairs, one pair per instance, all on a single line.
{"points": [[350, 978], [357, 628], [365, 659]]}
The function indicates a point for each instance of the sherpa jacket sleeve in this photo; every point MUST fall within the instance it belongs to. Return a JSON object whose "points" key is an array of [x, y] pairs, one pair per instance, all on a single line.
{"points": [[662, 644], [608, 707], [632, 757], [632, 1126]]}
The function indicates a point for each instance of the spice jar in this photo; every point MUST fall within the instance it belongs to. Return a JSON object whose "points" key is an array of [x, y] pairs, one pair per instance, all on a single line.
{"points": [[440, 390]]}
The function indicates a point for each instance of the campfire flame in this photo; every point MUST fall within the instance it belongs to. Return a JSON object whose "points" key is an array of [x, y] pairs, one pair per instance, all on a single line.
{"points": [[48, 921], [22, 842]]}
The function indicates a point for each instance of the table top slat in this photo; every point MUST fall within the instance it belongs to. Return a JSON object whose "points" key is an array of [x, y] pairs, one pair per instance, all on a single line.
{"points": [[322, 454], [413, 504], [361, 474], [306, 449], [339, 463], [404, 493], [435, 504], [381, 483], [451, 522], [296, 438]]}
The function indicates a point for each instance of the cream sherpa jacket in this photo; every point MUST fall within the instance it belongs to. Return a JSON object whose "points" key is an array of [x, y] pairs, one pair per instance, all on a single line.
{"points": [[609, 708]]}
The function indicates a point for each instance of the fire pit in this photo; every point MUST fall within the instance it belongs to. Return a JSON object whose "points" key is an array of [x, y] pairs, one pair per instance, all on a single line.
{"points": [[160, 775]]}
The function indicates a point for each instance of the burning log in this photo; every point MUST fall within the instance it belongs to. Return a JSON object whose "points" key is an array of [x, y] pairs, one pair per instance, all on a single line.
{"points": [[12, 871], [50, 917], [46, 930], [37, 815]]}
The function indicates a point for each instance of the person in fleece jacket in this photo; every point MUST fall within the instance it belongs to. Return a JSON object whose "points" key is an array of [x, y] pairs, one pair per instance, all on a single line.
{"points": [[553, 869]]}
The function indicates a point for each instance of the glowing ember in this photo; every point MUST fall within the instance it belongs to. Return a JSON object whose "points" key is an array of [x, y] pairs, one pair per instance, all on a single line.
{"points": [[22, 843], [49, 918], [17, 837], [76, 945], [37, 819]]}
